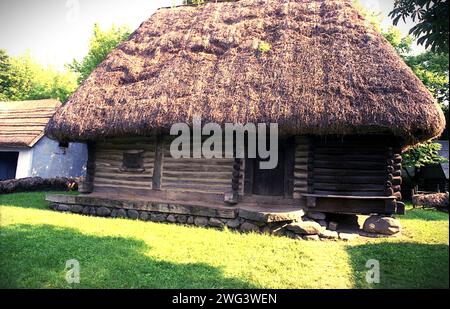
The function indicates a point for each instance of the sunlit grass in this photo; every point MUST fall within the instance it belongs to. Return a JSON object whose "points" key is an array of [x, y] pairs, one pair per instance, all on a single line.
{"points": [[35, 243]]}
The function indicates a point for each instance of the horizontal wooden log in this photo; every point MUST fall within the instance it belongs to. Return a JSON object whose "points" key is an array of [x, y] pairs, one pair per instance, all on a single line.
{"points": [[194, 168], [351, 157], [398, 195], [198, 174], [127, 182], [349, 165], [350, 179], [395, 180], [130, 188], [208, 182], [348, 187], [123, 175], [355, 193], [349, 172]]}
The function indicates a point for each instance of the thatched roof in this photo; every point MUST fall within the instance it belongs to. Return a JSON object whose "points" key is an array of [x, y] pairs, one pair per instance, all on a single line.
{"points": [[22, 123], [313, 66]]}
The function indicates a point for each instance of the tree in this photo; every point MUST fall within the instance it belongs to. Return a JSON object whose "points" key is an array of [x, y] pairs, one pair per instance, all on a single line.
{"points": [[420, 156], [5, 78], [22, 78], [432, 70], [100, 45], [431, 16]]}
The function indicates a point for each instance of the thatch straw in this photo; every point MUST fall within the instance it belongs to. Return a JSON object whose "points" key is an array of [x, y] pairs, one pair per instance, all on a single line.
{"points": [[22, 123], [313, 66]]}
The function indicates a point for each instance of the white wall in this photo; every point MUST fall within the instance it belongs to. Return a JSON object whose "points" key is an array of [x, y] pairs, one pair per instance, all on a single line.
{"points": [[49, 160], [24, 161]]}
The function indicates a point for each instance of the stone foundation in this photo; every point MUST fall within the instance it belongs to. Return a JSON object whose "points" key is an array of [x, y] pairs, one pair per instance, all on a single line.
{"points": [[311, 226]]}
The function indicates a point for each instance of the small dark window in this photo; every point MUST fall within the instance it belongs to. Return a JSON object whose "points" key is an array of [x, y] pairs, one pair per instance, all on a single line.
{"points": [[63, 145], [133, 161]]}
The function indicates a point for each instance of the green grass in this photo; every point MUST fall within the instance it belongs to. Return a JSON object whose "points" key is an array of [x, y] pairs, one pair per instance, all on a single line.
{"points": [[35, 244]]}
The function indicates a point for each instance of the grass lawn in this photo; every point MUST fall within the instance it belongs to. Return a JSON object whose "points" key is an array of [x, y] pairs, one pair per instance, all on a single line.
{"points": [[35, 244]]}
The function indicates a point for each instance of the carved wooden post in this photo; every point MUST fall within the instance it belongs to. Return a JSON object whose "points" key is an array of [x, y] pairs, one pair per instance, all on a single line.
{"points": [[394, 173], [232, 198], [310, 179], [88, 185], [158, 163]]}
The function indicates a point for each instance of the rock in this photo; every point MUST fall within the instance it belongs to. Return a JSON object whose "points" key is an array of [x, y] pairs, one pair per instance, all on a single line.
{"points": [[316, 215], [114, 213], [382, 225], [234, 223], [249, 227], [132, 214], [158, 217], [311, 237], [292, 235], [201, 221], [214, 222], [121, 213], [76, 209], [171, 219], [268, 217], [103, 212], [190, 220], [332, 226], [327, 234], [182, 218], [305, 227], [266, 230], [86, 210], [63, 207], [144, 216], [323, 223], [348, 236], [93, 211]]}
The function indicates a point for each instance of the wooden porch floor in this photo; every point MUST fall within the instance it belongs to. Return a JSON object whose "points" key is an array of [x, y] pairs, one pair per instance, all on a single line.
{"points": [[260, 212]]}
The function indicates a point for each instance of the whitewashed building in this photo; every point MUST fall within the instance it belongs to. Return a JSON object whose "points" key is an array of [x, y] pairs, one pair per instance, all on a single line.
{"points": [[26, 152]]}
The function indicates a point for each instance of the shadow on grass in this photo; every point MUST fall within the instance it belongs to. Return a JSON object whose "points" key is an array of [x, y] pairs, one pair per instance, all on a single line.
{"points": [[35, 257], [402, 265]]}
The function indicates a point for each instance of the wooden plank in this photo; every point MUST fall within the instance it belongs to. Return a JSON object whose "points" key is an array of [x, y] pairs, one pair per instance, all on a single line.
{"points": [[349, 165], [130, 187], [349, 172], [193, 168], [346, 179], [289, 164], [348, 187], [122, 175], [126, 182], [158, 164], [351, 193]]}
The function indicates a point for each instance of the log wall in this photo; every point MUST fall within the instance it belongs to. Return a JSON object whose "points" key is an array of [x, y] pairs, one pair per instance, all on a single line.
{"points": [[353, 166], [109, 175], [213, 176], [302, 166]]}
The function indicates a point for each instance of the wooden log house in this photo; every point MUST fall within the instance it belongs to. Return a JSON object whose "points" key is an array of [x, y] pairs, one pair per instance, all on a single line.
{"points": [[345, 102]]}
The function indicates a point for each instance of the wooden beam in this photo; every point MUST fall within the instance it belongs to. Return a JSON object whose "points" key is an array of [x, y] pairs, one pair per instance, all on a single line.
{"points": [[158, 163]]}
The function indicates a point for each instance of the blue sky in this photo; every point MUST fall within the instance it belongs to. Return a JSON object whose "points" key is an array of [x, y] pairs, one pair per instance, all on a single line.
{"points": [[56, 31]]}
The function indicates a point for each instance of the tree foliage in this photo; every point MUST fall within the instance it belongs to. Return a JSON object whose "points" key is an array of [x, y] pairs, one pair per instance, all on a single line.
{"points": [[101, 44], [426, 154], [22, 78], [431, 17]]}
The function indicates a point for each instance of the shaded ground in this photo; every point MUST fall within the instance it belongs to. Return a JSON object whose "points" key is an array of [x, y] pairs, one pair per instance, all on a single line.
{"points": [[36, 243]]}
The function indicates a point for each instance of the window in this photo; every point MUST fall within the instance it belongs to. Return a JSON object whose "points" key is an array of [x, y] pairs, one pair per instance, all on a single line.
{"points": [[133, 161], [63, 145]]}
